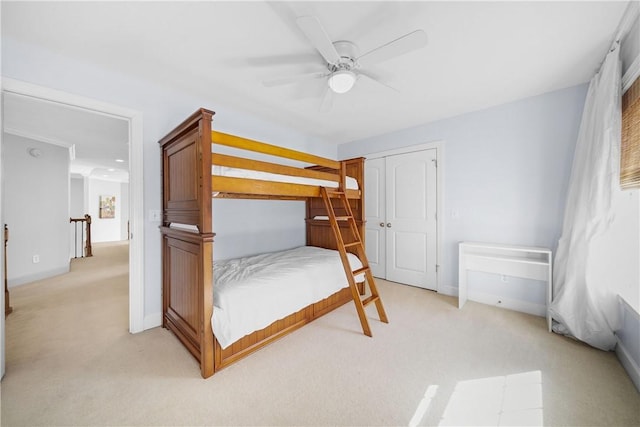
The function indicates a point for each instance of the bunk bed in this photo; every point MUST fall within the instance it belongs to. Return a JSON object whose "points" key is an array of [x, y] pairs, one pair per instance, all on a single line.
{"points": [[193, 172]]}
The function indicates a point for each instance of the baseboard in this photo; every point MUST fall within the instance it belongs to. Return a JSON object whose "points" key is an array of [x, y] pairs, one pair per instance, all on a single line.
{"points": [[511, 304], [628, 341], [629, 365], [17, 281], [448, 290], [152, 321]]}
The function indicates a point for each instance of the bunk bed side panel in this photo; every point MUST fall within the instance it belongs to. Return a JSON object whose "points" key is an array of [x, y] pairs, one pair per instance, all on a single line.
{"points": [[186, 163], [187, 307], [187, 256]]}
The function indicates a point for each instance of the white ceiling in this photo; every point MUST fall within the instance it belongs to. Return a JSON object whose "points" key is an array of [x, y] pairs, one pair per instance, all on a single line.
{"points": [[479, 54], [98, 140]]}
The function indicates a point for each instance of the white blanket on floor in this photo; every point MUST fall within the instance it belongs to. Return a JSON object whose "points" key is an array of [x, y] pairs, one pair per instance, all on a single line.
{"points": [[251, 293]]}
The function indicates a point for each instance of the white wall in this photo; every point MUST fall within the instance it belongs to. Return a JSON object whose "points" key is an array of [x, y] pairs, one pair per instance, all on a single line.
{"points": [[255, 226], [620, 245], [630, 46], [614, 255], [36, 195], [76, 197], [85, 196], [76, 210], [506, 171], [104, 229], [162, 110], [124, 211]]}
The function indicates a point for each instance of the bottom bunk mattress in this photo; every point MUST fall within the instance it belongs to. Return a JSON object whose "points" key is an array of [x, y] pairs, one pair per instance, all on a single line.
{"points": [[251, 293]]}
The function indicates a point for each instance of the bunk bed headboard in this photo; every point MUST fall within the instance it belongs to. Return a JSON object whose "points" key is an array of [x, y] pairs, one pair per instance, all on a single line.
{"points": [[187, 196]]}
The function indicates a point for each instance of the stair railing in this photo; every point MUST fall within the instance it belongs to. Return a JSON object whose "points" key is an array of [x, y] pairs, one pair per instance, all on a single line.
{"points": [[84, 224], [7, 305]]}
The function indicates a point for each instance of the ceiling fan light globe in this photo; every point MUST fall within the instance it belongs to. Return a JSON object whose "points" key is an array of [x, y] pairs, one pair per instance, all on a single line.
{"points": [[342, 81]]}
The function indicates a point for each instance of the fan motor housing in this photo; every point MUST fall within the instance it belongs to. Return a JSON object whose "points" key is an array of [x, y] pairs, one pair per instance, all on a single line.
{"points": [[348, 51]]}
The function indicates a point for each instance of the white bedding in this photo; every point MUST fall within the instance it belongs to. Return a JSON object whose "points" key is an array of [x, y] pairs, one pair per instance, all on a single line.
{"points": [[251, 293], [352, 184]]}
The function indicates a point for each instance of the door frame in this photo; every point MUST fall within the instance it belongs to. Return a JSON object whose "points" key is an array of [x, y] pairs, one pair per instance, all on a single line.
{"points": [[136, 212], [439, 147]]}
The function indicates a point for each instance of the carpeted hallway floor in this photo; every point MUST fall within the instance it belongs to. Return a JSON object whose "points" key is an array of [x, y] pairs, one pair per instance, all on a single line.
{"points": [[71, 361]]}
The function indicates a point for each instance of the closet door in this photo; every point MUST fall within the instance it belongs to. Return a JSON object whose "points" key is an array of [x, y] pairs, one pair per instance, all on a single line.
{"points": [[374, 177], [411, 218]]}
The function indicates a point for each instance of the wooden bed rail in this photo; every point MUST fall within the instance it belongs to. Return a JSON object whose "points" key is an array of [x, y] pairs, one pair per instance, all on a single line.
{"points": [[242, 163], [321, 168], [272, 150]]}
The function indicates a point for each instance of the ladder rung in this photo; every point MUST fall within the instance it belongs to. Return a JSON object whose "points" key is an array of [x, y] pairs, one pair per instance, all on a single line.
{"points": [[367, 301], [349, 245], [336, 192], [360, 270], [343, 218]]}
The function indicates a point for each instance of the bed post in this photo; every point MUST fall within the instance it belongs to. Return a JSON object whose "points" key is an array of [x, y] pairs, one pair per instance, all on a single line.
{"points": [[207, 351], [187, 256]]}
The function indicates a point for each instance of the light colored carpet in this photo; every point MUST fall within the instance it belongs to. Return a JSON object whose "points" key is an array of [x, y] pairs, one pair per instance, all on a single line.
{"points": [[71, 361]]}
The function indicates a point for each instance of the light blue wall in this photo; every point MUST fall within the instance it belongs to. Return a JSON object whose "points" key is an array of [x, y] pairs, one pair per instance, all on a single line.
{"points": [[249, 227], [506, 171]]}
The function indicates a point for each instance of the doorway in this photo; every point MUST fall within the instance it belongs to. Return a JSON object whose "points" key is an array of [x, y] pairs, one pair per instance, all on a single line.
{"points": [[402, 204], [136, 223]]}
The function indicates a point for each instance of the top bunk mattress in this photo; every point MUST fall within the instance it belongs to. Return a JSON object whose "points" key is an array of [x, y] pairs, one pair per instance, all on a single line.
{"points": [[251, 293], [352, 184]]}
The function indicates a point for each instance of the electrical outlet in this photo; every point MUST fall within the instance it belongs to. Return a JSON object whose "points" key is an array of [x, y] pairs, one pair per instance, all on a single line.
{"points": [[36, 259]]}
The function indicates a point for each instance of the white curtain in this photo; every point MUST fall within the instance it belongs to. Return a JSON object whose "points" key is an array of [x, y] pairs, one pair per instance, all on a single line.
{"points": [[583, 307]]}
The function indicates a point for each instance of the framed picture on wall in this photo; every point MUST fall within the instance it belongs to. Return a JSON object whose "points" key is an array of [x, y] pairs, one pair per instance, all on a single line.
{"points": [[107, 206]]}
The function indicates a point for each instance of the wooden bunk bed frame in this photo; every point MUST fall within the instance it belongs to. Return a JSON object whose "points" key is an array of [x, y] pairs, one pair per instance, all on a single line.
{"points": [[188, 187]]}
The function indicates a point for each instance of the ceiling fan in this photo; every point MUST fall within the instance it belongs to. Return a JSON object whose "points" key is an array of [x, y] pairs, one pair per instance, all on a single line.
{"points": [[343, 63]]}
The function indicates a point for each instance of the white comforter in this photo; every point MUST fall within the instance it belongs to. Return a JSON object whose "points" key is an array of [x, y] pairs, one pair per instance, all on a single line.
{"points": [[251, 293]]}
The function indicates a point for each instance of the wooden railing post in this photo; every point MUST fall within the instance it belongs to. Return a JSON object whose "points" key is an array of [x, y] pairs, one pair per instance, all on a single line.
{"points": [[87, 248], [7, 306]]}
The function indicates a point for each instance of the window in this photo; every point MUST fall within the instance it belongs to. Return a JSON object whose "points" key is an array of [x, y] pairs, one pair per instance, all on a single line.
{"points": [[630, 147]]}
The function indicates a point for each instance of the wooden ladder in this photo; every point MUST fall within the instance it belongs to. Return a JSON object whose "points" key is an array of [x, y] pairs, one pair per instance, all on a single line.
{"points": [[357, 244]]}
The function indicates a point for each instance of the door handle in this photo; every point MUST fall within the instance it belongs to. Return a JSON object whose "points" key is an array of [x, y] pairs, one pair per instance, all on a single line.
{"points": [[382, 224], [389, 224]]}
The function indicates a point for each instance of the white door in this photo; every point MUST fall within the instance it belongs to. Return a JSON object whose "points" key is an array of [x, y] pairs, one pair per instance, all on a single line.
{"points": [[409, 218], [374, 210]]}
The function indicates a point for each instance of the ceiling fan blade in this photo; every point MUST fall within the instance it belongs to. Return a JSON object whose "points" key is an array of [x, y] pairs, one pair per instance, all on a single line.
{"points": [[313, 29], [376, 80], [407, 43], [280, 81], [327, 101]]}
